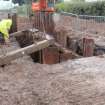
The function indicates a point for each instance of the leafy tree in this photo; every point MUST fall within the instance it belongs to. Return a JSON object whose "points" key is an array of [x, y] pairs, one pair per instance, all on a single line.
{"points": [[84, 8], [19, 1], [76, 1]]}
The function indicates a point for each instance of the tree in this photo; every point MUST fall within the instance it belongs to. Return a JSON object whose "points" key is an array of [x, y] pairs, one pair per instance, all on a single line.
{"points": [[19, 1], [77, 1]]}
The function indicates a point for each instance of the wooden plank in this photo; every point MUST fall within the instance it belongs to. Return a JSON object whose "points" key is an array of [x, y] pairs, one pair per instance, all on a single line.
{"points": [[16, 34], [19, 33], [25, 51]]}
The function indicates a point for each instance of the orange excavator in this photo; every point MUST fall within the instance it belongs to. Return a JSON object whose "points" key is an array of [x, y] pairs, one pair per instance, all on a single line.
{"points": [[43, 5], [44, 10]]}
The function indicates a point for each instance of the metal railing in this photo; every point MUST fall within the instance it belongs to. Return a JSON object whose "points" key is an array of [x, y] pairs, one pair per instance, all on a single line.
{"points": [[86, 23], [44, 21]]}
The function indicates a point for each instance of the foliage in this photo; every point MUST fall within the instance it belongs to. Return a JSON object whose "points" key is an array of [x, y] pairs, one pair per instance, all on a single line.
{"points": [[84, 8], [19, 1], [77, 1], [22, 10]]}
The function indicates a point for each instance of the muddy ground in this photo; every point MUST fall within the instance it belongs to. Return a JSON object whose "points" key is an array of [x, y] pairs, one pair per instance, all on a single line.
{"points": [[78, 82], [74, 82]]}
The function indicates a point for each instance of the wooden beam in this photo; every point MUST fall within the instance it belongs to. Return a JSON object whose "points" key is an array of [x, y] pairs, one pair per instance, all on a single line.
{"points": [[16, 34], [19, 33], [25, 51]]}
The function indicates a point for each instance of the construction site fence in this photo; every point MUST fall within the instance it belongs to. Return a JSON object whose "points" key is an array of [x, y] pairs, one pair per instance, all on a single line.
{"points": [[86, 23], [44, 21]]}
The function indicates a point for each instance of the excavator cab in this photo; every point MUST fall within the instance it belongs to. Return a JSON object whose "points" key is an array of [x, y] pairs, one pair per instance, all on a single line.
{"points": [[43, 5], [43, 11]]}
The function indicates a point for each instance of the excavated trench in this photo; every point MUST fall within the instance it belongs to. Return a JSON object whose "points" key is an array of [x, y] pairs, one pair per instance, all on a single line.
{"points": [[53, 54], [50, 55], [56, 53]]}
